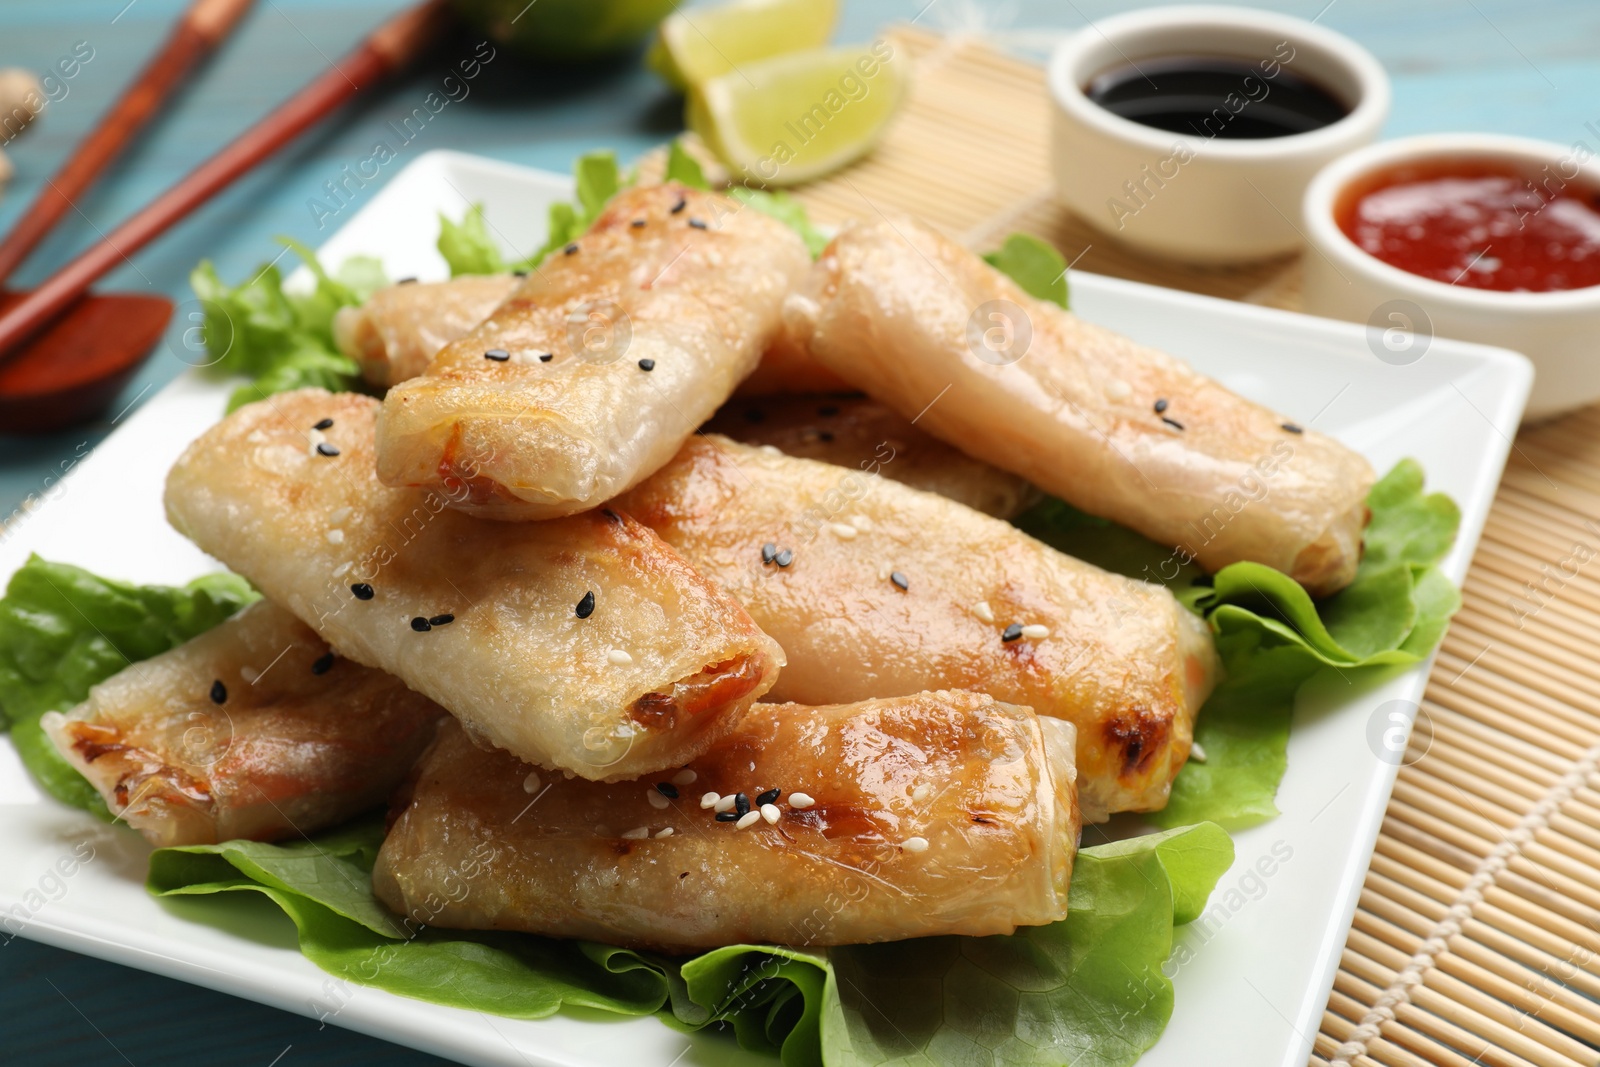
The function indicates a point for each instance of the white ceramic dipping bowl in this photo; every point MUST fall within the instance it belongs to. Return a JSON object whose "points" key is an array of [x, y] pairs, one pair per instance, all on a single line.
{"points": [[1558, 331], [1204, 199]]}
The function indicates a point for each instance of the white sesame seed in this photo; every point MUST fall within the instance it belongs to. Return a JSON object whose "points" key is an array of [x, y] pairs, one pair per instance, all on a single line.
{"points": [[684, 777], [664, 833], [342, 569], [772, 450], [340, 514], [983, 611], [884, 572], [249, 674], [770, 813], [638, 833], [920, 793], [335, 537], [749, 818], [800, 800], [860, 522], [726, 803], [1197, 753], [709, 800], [618, 658], [568, 775], [657, 801], [1117, 389], [1035, 632], [915, 844], [842, 531], [531, 783], [313, 439]]}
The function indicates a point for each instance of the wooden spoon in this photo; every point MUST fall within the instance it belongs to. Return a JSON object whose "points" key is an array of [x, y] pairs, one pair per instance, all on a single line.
{"points": [[26, 336]]}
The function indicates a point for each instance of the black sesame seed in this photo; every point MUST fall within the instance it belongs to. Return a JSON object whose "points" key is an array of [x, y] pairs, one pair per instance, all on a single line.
{"points": [[754, 415], [519, 274], [571, 249], [825, 436], [323, 424], [769, 797], [1012, 632], [499, 355], [647, 364], [1174, 423], [901, 581], [784, 558], [362, 591], [698, 224], [442, 620], [638, 224], [680, 205], [325, 449], [1292, 428], [546, 357], [410, 279], [667, 789], [323, 664], [769, 552], [421, 625], [612, 515], [727, 816], [741, 804], [219, 692], [585, 606], [1161, 405], [828, 411]]}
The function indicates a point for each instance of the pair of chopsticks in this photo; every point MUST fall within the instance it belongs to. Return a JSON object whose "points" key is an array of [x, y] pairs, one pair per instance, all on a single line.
{"points": [[392, 46]]}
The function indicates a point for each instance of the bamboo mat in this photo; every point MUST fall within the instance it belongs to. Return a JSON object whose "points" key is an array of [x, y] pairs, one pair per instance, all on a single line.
{"points": [[1478, 936]]}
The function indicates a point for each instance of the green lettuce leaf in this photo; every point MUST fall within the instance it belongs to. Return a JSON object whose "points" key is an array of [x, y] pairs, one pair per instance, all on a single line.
{"points": [[1086, 990], [466, 245], [1273, 638], [682, 167], [281, 340], [1033, 264], [787, 210], [63, 629]]}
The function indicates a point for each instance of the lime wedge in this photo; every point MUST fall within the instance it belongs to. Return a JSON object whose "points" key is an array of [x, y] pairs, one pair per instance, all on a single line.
{"points": [[792, 118], [696, 46]]}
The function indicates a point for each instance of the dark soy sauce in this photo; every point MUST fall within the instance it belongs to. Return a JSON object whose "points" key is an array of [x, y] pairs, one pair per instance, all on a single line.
{"points": [[1215, 96]]}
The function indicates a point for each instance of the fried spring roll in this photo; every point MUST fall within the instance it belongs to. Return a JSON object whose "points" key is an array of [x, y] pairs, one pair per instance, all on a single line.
{"points": [[1115, 428], [254, 729], [854, 432], [787, 369], [585, 644], [601, 363], [877, 589], [938, 813], [398, 331]]}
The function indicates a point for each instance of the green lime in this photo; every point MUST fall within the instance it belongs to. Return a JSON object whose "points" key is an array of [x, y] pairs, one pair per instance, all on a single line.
{"points": [[697, 45], [566, 30]]}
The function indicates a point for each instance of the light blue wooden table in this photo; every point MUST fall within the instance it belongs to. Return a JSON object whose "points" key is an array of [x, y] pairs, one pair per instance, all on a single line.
{"points": [[1528, 67]]}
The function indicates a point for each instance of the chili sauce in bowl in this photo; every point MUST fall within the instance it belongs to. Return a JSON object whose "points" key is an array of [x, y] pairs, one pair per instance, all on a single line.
{"points": [[1478, 224]]}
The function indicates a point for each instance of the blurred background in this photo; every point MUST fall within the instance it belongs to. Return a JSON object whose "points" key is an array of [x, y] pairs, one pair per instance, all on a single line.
{"points": [[1484, 65]]}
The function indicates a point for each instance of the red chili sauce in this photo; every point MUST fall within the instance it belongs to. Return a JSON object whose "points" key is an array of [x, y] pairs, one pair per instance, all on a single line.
{"points": [[1479, 225]]}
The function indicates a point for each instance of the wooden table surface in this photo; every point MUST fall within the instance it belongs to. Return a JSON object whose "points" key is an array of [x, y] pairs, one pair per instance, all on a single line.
{"points": [[1529, 67]]}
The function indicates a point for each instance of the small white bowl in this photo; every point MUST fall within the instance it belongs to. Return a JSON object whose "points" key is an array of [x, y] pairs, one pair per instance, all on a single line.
{"points": [[1206, 200], [1556, 330]]}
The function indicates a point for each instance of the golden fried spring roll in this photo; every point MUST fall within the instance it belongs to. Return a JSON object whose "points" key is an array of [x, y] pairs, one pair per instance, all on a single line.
{"points": [[854, 432], [787, 369], [877, 589], [398, 331], [1117, 429], [938, 813], [585, 644], [254, 729], [601, 363]]}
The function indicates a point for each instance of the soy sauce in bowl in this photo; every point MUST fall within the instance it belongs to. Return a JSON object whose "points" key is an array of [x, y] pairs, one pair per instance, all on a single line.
{"points": [[1216, 96]]}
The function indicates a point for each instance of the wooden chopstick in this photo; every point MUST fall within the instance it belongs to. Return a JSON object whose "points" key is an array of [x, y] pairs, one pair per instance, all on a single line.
{"points": [[200, 30], [390, 47]]}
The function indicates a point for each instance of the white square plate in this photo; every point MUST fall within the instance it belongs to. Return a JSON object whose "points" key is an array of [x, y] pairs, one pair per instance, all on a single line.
{"points": [[1252, 975]]}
